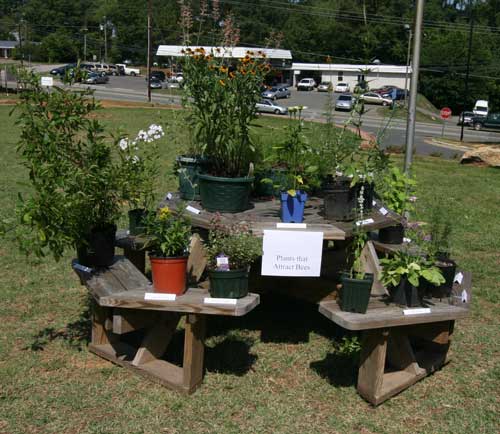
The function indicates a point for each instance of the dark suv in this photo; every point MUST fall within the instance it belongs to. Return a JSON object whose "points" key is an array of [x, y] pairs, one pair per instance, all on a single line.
{"points": [[490, 122], [159, 75]]}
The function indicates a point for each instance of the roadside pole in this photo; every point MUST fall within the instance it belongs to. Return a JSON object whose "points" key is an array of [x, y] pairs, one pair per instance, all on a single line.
{"points": [[417, 37], [466, 93], [148, 77]]}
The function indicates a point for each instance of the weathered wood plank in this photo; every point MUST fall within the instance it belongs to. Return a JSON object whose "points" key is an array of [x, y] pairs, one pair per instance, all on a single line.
{"points": [[197, 260], [371, 264], [400, 353], [194, 348], [190, 302], [372, 363], [130, 320], [127, 274], [389, 315]]}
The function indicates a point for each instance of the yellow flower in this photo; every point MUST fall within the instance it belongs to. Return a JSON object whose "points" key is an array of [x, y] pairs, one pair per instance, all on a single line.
{"points": [[164, 213], [223, 69], [232, 74], [222, 83]]}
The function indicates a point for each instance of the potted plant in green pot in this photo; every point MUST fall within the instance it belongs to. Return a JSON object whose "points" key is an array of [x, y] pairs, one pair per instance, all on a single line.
{"points": [[140, 169], [230, 250], [402, 274], [168, 239], [74, 172], [222, 97], [356, 284], [397, 193]]}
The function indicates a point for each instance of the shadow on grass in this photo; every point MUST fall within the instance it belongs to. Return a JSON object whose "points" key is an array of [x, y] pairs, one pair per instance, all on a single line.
{"points": [[76, 334], [339, 370]]}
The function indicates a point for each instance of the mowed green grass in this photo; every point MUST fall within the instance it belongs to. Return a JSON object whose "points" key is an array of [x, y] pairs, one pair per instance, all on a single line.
{"points": [[273, 371]]}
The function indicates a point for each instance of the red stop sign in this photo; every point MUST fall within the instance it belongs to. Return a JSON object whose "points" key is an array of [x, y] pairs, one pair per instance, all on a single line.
{"points": [[445, 113]]}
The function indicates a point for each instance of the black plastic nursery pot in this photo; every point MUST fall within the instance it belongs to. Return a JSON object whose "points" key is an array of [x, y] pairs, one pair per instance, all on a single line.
{"points": [[405, 294], [392, 234], [355, 293], [225, 194], [339, 200], [189, 169], [448, 267], [274, 178], [136, 219], [100, 248], [228, 284]]}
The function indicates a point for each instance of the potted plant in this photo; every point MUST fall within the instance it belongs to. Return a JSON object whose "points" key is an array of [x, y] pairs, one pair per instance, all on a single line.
{"points": [[139, 159], [168, 238], [294, 151], [230, 250], [222, 96], [402, 274], [356, 284], [397, 193], [75, 175]]}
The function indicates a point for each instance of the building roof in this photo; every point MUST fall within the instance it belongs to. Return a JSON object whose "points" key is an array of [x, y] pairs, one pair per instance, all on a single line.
{"points": [[236, 52], [8, 44], [336, 67]]}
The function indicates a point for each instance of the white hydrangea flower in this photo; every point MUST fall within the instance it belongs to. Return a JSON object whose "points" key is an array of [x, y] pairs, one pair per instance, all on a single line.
{"points": [[123, 144], [135, 159]]}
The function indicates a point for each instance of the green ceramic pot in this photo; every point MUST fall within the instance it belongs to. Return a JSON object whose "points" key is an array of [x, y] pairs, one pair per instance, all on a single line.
{"points": [[355, 293], [228, 284], [225, 194]]}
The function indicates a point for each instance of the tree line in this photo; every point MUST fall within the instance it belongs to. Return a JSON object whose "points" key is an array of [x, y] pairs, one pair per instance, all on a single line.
{"points": [[336, 31]]}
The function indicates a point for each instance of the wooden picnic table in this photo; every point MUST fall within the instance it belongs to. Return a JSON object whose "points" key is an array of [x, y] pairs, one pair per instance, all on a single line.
{"points": [[119, 308], [397, 349]]}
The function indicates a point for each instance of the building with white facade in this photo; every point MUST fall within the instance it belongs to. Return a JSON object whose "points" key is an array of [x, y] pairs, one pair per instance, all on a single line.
{"points": [[6, 48], [376, 75]]}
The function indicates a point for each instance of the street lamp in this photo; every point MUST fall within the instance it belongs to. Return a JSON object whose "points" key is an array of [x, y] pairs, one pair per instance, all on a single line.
{"points": [[408, 52]]}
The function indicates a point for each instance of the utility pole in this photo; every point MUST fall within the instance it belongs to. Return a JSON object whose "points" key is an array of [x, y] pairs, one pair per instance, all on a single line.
{"points": [[149, 51], [85, 30], [410, 129], [105, 40], [466, 92], [408, 55], [20, 35]]}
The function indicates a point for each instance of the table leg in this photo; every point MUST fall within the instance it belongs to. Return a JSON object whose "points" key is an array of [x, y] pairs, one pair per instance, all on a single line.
{"points": [[194, 350]]}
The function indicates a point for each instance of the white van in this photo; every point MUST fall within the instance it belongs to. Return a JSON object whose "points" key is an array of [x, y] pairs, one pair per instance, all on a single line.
{"points": [[480, 108]]}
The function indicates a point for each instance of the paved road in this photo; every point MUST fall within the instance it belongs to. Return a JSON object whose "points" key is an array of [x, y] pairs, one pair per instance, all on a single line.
{"points": [[134, 89]]}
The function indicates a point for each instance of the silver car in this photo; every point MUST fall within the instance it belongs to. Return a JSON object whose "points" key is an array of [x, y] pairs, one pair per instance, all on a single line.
{"points": [[276, 92], [375, 98], [324, 86], [344, 102], [266, 106]]}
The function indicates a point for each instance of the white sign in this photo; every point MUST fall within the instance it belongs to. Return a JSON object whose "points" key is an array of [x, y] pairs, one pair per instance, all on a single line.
{"points": [[459, 277], [291, 225], [192, 209], [292, 253], [364, 222], [158, 296], [383, 211], [417, 311], [47, 81], [228, 301]]}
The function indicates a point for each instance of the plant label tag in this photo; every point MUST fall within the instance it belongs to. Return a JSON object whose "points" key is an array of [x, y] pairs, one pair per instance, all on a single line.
{"points": [[157, 296], [406, 240], [292, 253], [169, 196], [291, 226], [374, 203], [81, 267], [222, 263], [417, 311], [227, 301], [192, 209], [364, 222], [383, 211], [47, 81], [459, 277]]}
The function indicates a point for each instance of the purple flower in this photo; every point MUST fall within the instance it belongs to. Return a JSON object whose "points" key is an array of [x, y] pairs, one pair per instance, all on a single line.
{"points": [[427, 238]]}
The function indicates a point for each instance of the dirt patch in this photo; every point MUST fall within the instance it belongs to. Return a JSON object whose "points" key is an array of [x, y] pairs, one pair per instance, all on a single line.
{"points": [[8, 101], [132, 104]]}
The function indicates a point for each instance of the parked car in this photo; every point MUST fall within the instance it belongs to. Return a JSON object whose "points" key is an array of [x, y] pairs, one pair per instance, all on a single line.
{"points": [[160, 75], [375, 98], [395, 94], [344, 102], [267, 106], [342, 87], [465, 118], [154, 83], [490, 122], [128, 70], [276, 92], [306, 84], [324, 86], [61, 70], [113, 70], [383, 89], [121, 70], [96, 78]]}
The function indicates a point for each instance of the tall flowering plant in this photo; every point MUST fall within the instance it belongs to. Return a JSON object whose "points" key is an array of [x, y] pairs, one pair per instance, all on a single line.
{"points": [[140, 166], [222, 95]]}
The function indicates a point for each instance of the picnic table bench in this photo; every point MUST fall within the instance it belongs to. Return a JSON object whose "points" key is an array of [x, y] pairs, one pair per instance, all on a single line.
{"points": [[399, 349], [119, 308]]}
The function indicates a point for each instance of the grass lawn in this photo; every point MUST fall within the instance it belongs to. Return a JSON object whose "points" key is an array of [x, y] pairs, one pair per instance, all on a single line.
{"points": [[276, 370]]}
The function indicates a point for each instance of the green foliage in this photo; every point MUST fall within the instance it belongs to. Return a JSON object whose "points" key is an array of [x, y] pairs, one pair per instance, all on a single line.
{"points": [[440, 230], [169, 233], [348, 347], [405, 265], [74, 177], [397, 190], [234, 241], [222, 98]]}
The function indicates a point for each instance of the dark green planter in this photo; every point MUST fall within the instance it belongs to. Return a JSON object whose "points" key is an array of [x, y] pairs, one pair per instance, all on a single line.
{"points": [[405, 294], [228, 284], [225, 194], [339, 199], [448, 267], [136, 219], [189, 168], [392, 234], [355, 293]]}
